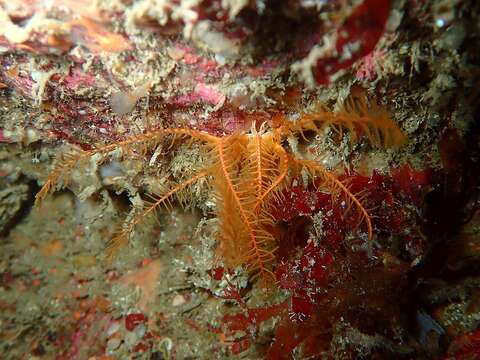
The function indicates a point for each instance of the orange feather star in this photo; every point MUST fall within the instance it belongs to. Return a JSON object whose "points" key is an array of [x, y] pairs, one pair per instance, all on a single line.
{"points": [[248, 172]]}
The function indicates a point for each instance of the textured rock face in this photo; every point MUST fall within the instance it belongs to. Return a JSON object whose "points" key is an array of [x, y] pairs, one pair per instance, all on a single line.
{"points": [[78, 76]]}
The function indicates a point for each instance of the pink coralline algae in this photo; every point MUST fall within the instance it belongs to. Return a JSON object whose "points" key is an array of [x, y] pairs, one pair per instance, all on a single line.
{"points": [[368, 66], [201, 93], [77, 79]]}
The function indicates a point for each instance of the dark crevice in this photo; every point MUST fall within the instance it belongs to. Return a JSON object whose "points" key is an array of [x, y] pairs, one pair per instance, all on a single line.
{"points": [[25, 208]]}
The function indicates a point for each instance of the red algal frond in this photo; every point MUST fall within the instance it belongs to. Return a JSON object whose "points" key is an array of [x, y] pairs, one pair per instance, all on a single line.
{"points": [[339, 190], [361, 31]]}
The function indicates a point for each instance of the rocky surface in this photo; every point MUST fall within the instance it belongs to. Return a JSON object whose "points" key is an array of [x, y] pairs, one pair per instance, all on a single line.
{"points": [[82, 74]]}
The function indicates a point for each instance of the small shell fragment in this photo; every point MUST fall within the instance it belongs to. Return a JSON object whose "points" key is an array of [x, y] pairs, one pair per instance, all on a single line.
{"points": [[122, 103]]}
